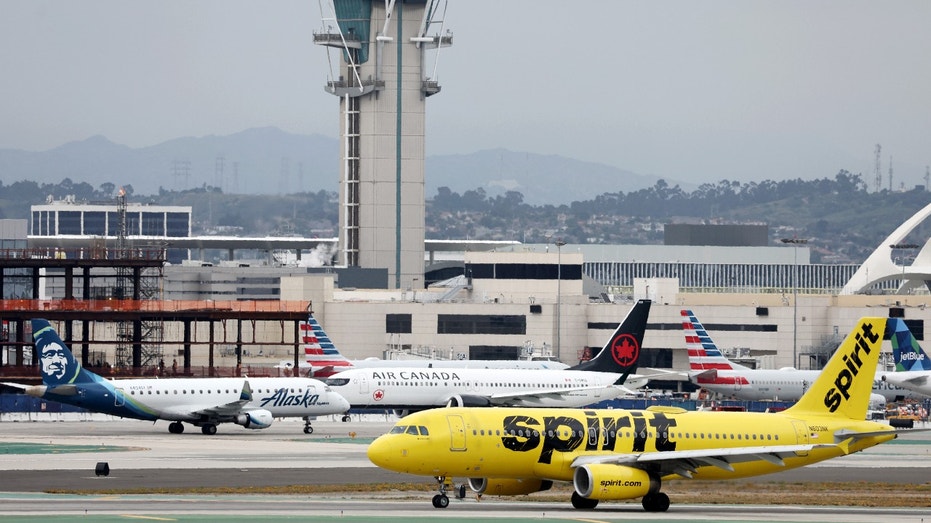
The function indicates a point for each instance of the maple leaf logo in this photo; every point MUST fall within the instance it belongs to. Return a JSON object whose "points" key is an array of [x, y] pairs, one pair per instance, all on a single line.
{"points": [[625, 350], [378, 395]]}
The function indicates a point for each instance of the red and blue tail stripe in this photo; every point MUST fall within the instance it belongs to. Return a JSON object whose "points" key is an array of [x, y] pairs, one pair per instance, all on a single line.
{"points": [[703, 353]]}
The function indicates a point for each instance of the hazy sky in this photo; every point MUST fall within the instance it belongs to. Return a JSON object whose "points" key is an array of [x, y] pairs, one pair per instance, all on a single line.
{"points": [[689, 90]]}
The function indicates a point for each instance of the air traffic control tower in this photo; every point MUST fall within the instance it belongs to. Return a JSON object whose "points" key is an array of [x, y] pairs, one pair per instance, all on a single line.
{"points": [[387, 55]]}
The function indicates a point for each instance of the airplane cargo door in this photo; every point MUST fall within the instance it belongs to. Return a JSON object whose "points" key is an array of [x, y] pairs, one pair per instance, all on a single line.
{"points": [[801, 434], [118, 398], [457, 434]]}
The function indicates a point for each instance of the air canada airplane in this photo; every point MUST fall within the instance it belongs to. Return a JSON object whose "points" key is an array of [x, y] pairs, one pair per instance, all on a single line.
{"points": [[627, 454], [406, 389], [253, 403], [912, 365], [711, 370], [322, 358]]}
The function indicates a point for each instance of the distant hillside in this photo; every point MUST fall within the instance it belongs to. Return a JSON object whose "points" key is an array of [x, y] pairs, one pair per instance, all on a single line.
{"points": [[271, 161], [255, 161], [542, 179]]}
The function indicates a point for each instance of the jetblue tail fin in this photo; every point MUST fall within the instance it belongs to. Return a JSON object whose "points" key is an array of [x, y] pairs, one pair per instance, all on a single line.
{"points": [[320, 353], [905, 349], [59, 366], [845, 384], [622, 352], [703, 353]]}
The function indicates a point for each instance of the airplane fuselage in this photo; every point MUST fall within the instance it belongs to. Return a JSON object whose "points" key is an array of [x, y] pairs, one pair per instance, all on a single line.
{"points": [[174, 399], [409, 388], [545, 443], [782, 385]]}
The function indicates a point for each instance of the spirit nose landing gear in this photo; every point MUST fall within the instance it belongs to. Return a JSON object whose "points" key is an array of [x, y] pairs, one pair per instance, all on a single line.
{"points": [[441, 500]]}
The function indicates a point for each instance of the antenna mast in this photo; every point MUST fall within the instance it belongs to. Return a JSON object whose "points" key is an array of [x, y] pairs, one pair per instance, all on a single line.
{"points": [[878, 182]]}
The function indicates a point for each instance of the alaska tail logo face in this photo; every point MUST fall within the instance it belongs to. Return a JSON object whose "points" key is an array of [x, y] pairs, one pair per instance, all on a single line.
{"points": [[58, 364], [625, 350]]}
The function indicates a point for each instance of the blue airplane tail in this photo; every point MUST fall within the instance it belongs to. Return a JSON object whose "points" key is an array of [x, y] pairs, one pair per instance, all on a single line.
{"points": [[905, 349], [58, 365]]}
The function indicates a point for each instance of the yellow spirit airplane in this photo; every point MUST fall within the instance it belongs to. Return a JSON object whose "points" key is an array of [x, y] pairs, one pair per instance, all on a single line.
{"points": [[618, 455]]}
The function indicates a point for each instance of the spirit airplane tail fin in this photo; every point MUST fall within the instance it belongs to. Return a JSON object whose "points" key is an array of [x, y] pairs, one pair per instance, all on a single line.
{"points": [[704, 354], [622, 351], [905, 349], [844, 386]]}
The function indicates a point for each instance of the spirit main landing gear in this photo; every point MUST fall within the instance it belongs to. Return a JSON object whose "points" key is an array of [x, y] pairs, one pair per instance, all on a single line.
{"points": [[441, 500], [655, 502]]}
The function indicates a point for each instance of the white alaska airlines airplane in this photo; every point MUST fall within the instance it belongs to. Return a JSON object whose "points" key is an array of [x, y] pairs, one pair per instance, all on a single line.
{"points": [[612, 455], [406, 389], [912, 365], [711, 370], [253, 403], [322, 358]]}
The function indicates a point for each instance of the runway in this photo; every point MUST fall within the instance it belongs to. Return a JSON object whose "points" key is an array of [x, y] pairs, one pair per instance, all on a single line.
{"points": [[39, 457]]}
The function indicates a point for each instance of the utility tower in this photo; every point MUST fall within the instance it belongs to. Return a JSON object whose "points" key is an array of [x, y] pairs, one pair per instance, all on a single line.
{"points": [[877, 171], [387, 54]]}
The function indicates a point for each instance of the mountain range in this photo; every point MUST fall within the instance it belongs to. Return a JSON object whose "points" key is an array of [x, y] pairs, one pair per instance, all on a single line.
{"points": [[271, 161]]}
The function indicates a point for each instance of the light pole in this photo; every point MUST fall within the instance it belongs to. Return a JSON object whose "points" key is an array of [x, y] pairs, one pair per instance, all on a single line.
{"points": [[895, 246], [795, 243], [559, 243]]}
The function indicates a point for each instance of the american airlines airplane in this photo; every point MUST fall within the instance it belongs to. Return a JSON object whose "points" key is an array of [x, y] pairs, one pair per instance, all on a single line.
{"points": [[406, 389], [253, 403], [709, 369], [322, 358]]}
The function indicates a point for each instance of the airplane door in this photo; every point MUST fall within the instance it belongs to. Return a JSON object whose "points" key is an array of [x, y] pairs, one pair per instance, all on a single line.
{"points": [[801, 434], [118, 399], [457, 434], [363, 385]]}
